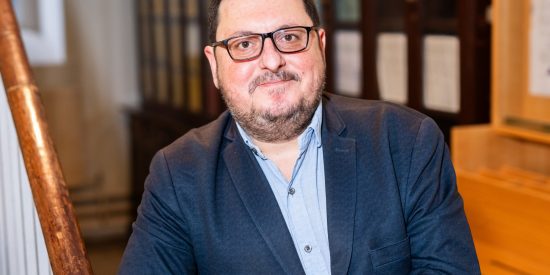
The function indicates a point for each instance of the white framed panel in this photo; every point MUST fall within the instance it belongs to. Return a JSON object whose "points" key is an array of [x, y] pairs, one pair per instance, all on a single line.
{"points": [[42, 25], [348, 58], [539, 45], [442, 73], [391, 65]]}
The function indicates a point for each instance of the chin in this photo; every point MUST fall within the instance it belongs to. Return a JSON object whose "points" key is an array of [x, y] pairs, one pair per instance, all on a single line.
{"points": [[280, 105]]}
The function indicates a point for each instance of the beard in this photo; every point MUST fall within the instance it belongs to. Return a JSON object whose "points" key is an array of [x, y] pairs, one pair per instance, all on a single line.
{"points": [[281, 123]]}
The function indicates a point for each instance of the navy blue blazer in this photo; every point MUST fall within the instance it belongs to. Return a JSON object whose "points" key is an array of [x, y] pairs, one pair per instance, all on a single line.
{"points": [[392, 201]]}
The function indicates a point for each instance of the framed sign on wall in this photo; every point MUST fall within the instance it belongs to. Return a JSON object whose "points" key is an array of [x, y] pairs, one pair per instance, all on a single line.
{"points": [[43, 30]]}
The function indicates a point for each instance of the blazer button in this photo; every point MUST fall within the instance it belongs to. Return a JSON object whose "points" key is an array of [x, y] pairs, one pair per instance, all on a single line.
{"points": [[291, 191]]}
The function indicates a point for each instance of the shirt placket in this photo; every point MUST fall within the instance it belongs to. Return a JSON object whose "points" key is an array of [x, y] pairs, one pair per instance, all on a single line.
{"points": [[305, 242]]}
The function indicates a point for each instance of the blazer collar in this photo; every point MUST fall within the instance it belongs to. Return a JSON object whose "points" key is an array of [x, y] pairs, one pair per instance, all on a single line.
{"points": [[340, 183]]}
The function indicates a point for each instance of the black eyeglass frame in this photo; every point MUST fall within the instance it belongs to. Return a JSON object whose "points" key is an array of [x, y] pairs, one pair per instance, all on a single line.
{"points": [[225, 42]]}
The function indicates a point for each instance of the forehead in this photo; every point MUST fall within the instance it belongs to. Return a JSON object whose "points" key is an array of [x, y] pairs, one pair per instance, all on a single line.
{"points": [[240, 16]]}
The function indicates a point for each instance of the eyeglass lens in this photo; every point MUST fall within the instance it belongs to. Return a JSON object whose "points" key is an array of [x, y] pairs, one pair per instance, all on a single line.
{"points": [[250, 46]]}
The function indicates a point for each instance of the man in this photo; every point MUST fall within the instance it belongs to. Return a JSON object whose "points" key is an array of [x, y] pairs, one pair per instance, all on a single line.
{"points": [[294, 181]]}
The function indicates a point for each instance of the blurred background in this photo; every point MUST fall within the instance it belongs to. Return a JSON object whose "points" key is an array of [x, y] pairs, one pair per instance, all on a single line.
{"points": [[121, 79]]}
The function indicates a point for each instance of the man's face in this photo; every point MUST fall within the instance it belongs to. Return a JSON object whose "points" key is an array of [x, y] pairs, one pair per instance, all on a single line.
{"points": [[273, 96]]}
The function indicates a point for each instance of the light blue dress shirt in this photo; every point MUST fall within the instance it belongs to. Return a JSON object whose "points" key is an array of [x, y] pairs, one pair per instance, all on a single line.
{"points": [[302, 200]]}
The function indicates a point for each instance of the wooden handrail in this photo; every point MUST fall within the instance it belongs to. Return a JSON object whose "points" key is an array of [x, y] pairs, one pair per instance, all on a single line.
{"points": [[65, 247]]}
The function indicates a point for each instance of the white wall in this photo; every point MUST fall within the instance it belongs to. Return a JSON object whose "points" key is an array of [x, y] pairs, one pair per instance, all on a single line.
{"points": [[86, 98]]}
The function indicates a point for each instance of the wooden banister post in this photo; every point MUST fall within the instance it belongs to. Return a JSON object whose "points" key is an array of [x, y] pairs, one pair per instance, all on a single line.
{"points": [[61, 232]]}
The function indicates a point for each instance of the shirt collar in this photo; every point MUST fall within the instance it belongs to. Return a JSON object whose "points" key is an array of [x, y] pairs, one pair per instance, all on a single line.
{"points": [[304, 138]]}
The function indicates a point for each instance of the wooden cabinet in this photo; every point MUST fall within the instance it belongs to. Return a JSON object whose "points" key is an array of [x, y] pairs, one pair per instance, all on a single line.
{"points": [[152, 130], [505, 183], [431, 55], [503, 168], [176, 87], [174, 74]]}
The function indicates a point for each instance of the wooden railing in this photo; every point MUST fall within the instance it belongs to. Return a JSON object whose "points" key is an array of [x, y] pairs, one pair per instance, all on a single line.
{"points": [[61, 232]]}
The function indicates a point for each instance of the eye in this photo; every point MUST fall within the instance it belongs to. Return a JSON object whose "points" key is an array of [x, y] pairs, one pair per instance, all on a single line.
{"points": [[243, 44], [289, 37]]}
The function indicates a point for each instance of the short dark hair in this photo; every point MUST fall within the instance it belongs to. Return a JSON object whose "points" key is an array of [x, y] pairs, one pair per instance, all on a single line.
{"points": [[311, 10]]}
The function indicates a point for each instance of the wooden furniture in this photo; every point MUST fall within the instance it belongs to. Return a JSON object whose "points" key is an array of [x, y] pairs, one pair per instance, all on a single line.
{"points": [[176, 86], [503, 169], [505, 183], [516, 109], [355, 24], [61, 232]]}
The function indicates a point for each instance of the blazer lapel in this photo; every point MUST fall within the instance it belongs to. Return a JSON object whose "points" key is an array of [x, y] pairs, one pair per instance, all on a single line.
{"points": [[260, 202], [341, 184]]}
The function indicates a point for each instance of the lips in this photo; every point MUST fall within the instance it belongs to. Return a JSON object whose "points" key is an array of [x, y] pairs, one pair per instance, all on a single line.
{"points": [[269, 78], [272, 82]]}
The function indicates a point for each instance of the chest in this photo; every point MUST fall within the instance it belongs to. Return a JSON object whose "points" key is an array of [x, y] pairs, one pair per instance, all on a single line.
{"points": [[238, 228]]}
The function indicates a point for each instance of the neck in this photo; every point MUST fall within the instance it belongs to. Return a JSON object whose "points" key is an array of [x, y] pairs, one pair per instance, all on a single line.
{"points": [[274, 148], [283, 154]]}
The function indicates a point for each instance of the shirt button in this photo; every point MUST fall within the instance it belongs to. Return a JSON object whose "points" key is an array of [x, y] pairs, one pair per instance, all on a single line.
{"points": [[307, 248], [291, 191]]}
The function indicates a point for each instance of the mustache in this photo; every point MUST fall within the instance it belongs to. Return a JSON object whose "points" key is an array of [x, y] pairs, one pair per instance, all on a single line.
{"points": [[269, 76]]}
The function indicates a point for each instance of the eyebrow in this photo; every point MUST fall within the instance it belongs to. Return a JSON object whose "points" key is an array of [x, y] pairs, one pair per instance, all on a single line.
{"points": [[242, 33]]}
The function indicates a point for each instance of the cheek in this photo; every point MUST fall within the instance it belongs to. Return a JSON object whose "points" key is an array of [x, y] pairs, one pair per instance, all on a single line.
{"points": [[311, 71], [235, 77]]}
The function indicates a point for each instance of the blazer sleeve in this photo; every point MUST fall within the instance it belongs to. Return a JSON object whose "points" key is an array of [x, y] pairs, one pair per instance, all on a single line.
{"points": [[439, 233], [159, 243]]}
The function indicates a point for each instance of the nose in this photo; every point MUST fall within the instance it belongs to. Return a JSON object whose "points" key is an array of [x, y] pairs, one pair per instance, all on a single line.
{"points": [[271, 59]]}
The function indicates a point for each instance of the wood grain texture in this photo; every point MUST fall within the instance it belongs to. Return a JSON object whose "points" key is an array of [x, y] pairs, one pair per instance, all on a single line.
{"points": [[503, 180], [511, 98], [61, 232]]}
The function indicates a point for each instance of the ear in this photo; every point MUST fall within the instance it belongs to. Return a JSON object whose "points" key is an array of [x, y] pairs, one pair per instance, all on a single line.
{"points": [[210, 53], [322, 40]]}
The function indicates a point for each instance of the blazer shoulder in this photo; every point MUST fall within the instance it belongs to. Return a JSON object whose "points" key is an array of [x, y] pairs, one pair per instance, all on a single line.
{"points": [[199, 144], [375, 114]]}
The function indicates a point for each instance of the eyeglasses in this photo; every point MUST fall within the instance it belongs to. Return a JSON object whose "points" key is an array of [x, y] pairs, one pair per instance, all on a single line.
{"points": [[250, 46]]}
